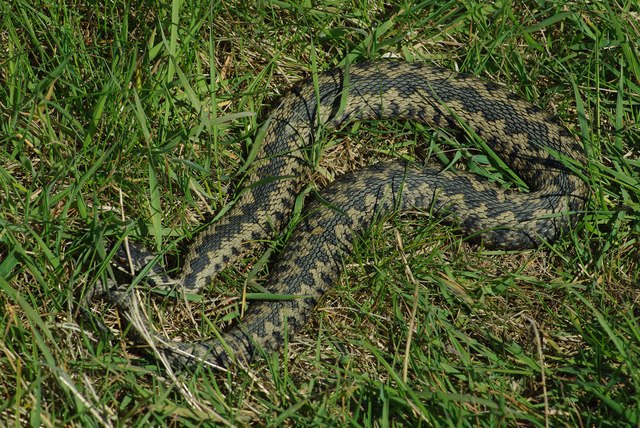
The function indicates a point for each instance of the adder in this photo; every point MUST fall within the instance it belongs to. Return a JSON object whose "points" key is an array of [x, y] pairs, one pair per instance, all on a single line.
{"points": [[533, 143]]}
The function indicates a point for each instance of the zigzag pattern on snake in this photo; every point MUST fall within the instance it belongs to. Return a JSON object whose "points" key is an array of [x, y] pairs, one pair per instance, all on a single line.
{"points": [[530, 141]]}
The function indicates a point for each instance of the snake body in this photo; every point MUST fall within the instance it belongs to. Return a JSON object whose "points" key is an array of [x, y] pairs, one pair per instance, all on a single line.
{"points": [[532, 142]]}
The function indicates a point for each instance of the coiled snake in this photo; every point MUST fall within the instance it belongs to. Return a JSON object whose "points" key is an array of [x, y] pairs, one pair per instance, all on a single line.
{"points": [[533, 143]]}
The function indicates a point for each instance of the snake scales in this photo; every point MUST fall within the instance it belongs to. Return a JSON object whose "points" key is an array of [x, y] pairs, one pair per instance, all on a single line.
{"points": [[529, 140]]}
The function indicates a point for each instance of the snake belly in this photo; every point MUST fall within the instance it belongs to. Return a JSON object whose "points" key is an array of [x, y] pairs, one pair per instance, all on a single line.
{"points": [[530, 141]]}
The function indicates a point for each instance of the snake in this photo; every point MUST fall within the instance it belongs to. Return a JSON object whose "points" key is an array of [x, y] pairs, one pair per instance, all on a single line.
{"points": [[533, 143]]}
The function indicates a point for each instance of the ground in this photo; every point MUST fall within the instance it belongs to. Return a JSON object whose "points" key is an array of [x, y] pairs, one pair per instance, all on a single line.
{"points": [[134, 119]]}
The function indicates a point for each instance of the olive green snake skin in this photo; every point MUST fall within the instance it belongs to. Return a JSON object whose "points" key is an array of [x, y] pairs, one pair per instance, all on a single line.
{"points": [[533, 143]]}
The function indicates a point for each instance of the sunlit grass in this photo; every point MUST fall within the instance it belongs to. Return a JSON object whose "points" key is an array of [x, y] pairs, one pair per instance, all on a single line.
{"points": [[135, 119]]}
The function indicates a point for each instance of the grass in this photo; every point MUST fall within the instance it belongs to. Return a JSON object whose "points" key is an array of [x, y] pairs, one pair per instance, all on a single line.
{"points": [[144, 112]]}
